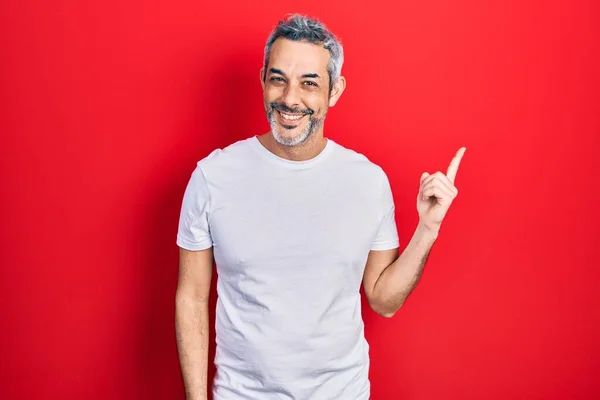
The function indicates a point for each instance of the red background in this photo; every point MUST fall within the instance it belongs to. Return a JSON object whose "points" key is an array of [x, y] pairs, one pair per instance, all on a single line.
{"points": [[107, 106]]}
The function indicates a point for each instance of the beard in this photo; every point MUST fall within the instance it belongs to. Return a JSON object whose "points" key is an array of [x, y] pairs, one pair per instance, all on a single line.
{"points": [[314, 124]]}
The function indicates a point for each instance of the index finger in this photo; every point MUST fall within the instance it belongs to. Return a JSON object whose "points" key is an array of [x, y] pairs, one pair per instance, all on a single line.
{"points": [[453, 167]]}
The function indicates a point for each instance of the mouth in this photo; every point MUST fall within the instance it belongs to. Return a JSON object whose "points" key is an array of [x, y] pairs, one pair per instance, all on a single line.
{"points": [[290, 119]]}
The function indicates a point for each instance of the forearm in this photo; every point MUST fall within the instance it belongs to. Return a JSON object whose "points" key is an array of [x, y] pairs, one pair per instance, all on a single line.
{"points": [[398, 280], [191, 325]]}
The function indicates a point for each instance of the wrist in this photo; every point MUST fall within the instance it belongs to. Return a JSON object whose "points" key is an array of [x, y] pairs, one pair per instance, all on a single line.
{"points": [[197, 396], [428, 231]]}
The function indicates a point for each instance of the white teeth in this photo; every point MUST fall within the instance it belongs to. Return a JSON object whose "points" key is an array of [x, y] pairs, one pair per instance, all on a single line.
{"points": [[290, 117]]}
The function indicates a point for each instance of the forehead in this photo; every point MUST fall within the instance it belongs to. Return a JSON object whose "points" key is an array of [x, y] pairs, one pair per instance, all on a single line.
{"points": [[298, 57]]}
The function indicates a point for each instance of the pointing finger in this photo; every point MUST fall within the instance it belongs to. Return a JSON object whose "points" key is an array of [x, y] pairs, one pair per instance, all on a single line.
{"points": [[453, 167]]}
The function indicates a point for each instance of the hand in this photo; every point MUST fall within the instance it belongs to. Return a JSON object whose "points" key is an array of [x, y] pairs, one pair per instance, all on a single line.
{"points": [[436, 193]]}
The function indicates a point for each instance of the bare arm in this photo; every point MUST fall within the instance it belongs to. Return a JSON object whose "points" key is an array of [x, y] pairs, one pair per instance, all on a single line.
{"points": [[191, 320], [390, 279]]}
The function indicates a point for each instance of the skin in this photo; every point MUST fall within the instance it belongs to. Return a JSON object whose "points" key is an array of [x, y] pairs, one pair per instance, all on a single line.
{"points": [[296, 79], [389, 278], [191, 320]]}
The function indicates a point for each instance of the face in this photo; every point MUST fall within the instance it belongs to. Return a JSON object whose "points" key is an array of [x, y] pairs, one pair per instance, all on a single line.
{"points": [[296, 90]]}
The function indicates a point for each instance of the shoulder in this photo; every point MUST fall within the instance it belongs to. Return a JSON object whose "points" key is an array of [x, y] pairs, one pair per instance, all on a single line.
{"points": [[222, 164], [355, 162], [233, 157]]}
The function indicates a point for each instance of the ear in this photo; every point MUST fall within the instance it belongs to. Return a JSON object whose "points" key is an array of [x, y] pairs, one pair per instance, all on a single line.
{"points": [[262, 81], [337, 90]]}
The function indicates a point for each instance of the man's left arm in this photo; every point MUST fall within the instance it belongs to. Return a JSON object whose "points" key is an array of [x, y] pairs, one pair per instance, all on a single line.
{"points": [[389, 278]]}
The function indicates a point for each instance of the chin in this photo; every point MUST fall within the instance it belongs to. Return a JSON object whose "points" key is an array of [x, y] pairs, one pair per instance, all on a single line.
{"points": [[287, 137]]}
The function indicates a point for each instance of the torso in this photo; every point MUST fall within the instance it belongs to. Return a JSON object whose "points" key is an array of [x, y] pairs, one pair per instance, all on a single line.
{"points": [[291, 241]]}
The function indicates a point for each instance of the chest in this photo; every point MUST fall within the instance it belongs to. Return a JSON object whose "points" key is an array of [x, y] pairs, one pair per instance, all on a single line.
{"points": [[291, 225]]}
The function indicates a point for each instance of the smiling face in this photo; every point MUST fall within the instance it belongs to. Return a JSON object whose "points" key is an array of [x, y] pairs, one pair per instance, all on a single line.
{"points": [[296, 90]]}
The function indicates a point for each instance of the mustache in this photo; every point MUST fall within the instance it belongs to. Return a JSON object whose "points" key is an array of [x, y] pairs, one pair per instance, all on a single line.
{"points": [[286, 109]]}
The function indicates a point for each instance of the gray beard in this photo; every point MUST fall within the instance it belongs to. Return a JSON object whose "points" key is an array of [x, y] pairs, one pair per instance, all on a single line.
{"points": [[313, 124]]}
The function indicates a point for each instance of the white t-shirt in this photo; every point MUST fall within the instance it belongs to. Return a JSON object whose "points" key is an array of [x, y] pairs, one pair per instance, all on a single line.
{"points": [[290, 241]]}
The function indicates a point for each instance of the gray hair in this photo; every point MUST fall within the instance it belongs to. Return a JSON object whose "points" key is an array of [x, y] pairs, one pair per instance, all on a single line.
{"points": [[301, 28]]}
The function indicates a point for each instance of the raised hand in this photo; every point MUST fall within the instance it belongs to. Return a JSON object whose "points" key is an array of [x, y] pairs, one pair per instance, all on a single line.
{"points": [[436, 193]]}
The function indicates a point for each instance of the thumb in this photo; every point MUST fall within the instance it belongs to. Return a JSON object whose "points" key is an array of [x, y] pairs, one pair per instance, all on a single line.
{"points": [[423, 176]]}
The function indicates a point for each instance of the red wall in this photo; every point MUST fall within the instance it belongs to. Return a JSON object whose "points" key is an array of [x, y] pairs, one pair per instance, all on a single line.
{"points": [[106, 107]]}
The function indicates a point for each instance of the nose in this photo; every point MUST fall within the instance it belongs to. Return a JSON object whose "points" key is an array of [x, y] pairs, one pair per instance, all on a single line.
{"points": [[291, 96]]}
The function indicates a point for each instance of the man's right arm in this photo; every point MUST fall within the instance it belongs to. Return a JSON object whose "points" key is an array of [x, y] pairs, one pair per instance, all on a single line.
{"points": [[191, 320]]}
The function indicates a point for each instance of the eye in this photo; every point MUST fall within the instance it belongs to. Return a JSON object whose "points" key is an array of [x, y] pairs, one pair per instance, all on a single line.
{"points": [[276, 79], [311, 83]]}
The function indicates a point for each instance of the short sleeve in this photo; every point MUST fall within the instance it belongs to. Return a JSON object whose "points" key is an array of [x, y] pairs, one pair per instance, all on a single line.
{"points": [[387, 235], [193, 232]]}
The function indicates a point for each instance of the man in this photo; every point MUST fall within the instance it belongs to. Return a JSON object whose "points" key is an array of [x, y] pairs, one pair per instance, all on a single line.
{"points": [[295, 223]]}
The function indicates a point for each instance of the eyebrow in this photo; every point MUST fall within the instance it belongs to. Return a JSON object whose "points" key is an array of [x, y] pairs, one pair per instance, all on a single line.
{"points": [[280, 72], [311, 76]]}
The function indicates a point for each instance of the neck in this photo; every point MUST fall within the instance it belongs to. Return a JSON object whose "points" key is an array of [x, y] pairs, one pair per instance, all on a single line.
{"points": [[302, 152]]}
